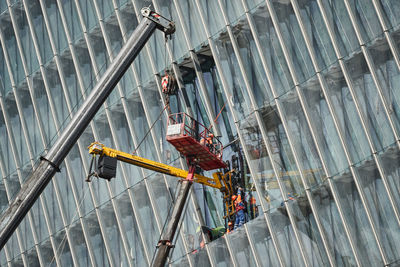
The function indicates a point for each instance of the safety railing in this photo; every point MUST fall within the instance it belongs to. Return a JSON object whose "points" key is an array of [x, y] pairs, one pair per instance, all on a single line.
{"points": [[181, 124]]}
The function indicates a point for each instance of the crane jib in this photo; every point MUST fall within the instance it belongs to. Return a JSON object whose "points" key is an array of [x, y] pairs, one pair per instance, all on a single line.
{"points": [[41, 176]]}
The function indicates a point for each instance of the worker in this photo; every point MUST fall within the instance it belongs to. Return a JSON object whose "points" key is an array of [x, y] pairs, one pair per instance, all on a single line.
{"points": [[240, 207], [253, 207], [230, 227], [210, 142]]}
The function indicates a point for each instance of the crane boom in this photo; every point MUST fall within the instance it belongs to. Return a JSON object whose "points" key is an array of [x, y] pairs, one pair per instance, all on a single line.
{"points": [[101, 150], [50, 163]]}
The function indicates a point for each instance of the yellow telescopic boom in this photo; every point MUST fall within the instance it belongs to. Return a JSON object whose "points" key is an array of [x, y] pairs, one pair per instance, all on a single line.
{"points": [[97, 148]]}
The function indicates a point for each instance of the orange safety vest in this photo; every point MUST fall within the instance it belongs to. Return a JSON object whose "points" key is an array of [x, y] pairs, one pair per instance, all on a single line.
{"points": [[239, 205]]}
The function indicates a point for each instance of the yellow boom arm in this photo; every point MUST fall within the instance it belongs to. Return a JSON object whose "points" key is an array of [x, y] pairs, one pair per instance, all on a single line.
{"points": [[99, 149]]}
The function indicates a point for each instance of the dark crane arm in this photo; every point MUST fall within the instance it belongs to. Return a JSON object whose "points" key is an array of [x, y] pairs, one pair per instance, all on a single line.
{"points": [[49, 165]]}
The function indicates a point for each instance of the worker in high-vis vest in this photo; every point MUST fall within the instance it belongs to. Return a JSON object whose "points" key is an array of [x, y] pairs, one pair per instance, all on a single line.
{"points": [[208, 142], [230, 227], [253, 208], [238, 201]]}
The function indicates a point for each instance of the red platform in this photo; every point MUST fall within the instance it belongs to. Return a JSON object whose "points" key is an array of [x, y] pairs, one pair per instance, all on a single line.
{"points": [[181, 134]]}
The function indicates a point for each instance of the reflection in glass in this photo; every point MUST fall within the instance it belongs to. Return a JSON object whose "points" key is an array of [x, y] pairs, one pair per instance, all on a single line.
{"points": [[388, 77], [96, 239], [346, 112], [382, 211], [322, 121], [365, 15], [343, 31], [113, 233], [296, 46], [79, 243], [219, 251], [241, 247], [390, 159], [287, 241], [146, 215], [262, 241], [333, 226], [390, 9], [128, 219], [237, 91], [356, 218], [368, 98], [312, 19], [302, 139]]}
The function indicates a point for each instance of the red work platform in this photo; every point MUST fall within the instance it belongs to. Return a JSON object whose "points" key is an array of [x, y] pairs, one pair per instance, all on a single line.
{"points": [[195, 141]]}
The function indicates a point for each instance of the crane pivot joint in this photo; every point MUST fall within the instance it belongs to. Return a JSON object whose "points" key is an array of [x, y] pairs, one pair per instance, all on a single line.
{"points": [[162, 23]]}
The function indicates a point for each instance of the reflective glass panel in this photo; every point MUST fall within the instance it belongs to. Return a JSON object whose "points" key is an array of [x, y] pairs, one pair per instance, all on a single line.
{"points": [[390, 160], [347, 115], [261, 237], [370, 104], [137, 256], [302, 139], [388, 77], [382, 210], [317, 33], [356, 218], [96, 238], [293, 40], [390, 9], [79, 243], [272, 51], [343, 31], [323, 122], [365, 15], [241, 247], [219, 252], [333, 225]]}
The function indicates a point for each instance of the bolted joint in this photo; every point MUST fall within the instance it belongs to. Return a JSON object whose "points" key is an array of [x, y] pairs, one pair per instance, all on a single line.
{"points": [[165, 243]]}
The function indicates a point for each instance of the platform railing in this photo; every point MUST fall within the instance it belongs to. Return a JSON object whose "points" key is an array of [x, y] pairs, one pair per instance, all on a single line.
{"points": [[188, 126]]}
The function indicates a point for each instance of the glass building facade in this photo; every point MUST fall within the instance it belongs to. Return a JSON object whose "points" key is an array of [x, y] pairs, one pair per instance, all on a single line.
{"points": [[306, 94]]}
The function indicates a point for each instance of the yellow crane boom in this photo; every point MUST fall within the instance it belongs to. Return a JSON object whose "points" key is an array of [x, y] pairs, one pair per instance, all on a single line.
{"points": [[218, 181]]}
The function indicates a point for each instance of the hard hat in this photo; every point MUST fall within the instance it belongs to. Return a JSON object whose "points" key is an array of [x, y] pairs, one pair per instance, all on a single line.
{"points": [[198, 229], [230, 223], [211, 135], [234, 197]]}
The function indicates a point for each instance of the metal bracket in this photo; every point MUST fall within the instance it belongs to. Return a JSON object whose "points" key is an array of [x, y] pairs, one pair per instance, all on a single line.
{"points": [[51, 163], [165, 243]]}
